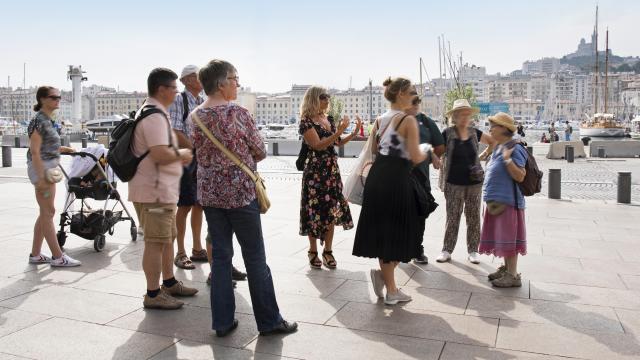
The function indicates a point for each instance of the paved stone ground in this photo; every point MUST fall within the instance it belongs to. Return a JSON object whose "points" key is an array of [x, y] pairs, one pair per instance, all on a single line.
{"points": [[580, 298]]}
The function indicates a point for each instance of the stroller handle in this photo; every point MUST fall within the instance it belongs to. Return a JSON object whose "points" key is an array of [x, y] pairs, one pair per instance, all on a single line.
{"points": [[81, 154]]}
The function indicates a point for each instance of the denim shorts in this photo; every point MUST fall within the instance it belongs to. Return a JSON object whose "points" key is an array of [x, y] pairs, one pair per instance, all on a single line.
{"points": [[31, 170]]}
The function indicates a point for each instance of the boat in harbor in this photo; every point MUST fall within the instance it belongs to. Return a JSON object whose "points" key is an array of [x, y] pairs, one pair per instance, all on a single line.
{"points": [[601, 124], [635, 128], [104, 125]]}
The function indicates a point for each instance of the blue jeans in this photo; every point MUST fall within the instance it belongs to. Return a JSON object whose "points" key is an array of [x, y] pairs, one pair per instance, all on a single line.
{"points": [[245, 223], [567, 137]]}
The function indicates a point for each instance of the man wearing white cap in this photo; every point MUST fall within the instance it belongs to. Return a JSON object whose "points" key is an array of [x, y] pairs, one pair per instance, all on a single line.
{"points": [[182, 106]]}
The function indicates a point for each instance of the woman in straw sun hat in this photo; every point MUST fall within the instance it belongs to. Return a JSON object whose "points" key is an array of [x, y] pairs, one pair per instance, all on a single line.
{"points": [[461, 178], [503, 230]]}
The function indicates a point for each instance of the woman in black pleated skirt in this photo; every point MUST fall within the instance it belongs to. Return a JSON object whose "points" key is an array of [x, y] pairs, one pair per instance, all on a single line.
{"points": [[388, 224]]}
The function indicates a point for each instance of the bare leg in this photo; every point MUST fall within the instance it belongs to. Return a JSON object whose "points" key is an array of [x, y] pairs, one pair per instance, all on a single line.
{"points": [[181, 224], [512, 264], [196, 227], [44, 227], [167, 262], [152, 264], [313, 246], [328, 238], [388, 276]]}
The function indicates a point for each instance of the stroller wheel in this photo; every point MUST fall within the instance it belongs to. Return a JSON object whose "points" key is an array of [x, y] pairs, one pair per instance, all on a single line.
{"points": [[111, 231], [62, 238], [98, 243], [134, 233]]}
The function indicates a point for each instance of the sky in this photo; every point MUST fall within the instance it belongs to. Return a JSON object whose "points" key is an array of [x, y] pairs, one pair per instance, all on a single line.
{"points": [[275, 44]]}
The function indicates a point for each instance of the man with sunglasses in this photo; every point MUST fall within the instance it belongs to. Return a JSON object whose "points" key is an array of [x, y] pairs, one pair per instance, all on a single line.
{"points": [[154, 191], [430, 134]]}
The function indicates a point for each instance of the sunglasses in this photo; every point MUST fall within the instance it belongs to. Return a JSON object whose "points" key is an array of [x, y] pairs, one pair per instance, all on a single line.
{"points": [[55, 97], [325, 97]]}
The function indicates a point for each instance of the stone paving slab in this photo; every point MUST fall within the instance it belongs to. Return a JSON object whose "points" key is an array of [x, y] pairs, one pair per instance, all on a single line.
{"points": [[76, 304], [324, 342], [453, 351], [194, 350], [65, 339], [558, 340], [417, 323]]}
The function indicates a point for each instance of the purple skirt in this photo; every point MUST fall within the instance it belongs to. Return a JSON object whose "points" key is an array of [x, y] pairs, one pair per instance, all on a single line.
{"points": [[505, 234]]}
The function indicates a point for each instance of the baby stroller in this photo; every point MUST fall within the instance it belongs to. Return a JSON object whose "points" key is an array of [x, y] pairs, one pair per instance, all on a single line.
{"points": [[89, 179]]}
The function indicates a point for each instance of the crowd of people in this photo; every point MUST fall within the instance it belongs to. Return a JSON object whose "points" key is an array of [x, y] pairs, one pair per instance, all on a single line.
{"points": [[183, 171]]}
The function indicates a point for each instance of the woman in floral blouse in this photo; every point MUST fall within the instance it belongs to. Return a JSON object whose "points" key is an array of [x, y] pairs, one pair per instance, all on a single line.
{"points": [[228, 197], [322, 204]]}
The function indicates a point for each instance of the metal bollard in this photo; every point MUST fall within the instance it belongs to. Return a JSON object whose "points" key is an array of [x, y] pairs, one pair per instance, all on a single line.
{"points": [[6, 156], [84, 142], [67, 140], [569, 153], [554, 184], [601, 152], [624, 187], [275, 149], [17, 141], [341, 151], [530, 150]]}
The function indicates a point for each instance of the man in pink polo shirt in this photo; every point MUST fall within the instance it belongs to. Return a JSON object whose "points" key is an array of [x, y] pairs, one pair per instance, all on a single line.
{"points": [[154, 191]]}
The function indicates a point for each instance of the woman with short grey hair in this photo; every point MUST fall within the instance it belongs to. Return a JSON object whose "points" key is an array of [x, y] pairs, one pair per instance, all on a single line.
{"points": [[228, 197]]}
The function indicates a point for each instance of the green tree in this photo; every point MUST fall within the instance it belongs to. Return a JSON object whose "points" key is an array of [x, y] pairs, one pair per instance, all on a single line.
{"points": [[454, 94], [335, 109]]}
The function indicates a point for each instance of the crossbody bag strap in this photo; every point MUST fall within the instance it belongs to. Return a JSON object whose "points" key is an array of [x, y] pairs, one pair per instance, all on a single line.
{"points": [[224, 149], [185, 106]]}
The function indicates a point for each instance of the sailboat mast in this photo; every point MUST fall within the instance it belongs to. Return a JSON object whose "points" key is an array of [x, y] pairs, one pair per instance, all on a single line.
{"points": [[595, 45], [421, 86], [606, 72]]}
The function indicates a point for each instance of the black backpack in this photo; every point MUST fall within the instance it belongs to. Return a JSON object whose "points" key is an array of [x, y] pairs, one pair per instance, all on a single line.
{"points": [[532, 182], [120, 156]]}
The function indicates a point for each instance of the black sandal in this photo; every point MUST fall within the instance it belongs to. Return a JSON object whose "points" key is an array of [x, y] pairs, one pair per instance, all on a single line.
{"points": [[314, 261], [329, 260]]}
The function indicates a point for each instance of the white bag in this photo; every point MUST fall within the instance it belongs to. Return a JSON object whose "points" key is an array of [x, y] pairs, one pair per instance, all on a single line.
{"points": [[354, 186]]}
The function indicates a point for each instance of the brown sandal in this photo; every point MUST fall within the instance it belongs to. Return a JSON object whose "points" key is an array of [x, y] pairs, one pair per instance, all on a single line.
{"points": [[183, 262], [328, 259], [314, 261]]}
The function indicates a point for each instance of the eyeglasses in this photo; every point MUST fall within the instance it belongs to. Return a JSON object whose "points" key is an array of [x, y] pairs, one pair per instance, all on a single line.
{"points": [[235, 78], [325, 96], [55, 97]]}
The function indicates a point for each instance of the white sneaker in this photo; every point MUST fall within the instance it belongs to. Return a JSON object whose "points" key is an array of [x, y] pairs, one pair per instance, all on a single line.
{"points": [[443, 257], [39, 259], [65, 261], [474, 258], [378, 282], [392, 299]]}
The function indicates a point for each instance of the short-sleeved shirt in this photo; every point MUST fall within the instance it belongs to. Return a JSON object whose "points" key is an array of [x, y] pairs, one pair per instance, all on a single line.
{"points": [[464, 156], [153, 182], [222, 184], [176, 112], [50, 148], [499, 186], [430, 134]]}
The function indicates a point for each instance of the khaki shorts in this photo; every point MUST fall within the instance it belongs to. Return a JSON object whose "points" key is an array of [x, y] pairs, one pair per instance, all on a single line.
{"points": [[158, 221]]}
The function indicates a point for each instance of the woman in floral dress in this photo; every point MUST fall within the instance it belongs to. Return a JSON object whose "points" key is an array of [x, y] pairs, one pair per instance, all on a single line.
{"points": [[322, 204]]}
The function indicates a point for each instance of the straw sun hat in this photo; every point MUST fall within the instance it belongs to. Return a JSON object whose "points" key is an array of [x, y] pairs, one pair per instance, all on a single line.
{"points": [[462, 104], [504, 120]]}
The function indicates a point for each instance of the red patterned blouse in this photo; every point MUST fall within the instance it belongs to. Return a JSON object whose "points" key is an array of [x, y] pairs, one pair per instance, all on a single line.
{"points": [[221, 184]]}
